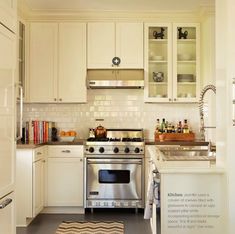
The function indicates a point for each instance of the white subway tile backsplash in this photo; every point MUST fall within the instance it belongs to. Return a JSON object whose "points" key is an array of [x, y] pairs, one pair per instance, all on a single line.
{"points": [[118, 108]]}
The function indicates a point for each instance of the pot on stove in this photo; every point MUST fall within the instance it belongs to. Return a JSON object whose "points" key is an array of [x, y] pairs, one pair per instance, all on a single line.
{"points": [[100, 132]]}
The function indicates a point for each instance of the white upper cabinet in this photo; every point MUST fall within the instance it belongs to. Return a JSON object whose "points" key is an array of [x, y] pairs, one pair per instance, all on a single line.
{"points": [[109, 40], [57, 62], [8, 14], [43, 62], [101, 45], [186, 62], [129, 44], [72, 62], [172, 62]]}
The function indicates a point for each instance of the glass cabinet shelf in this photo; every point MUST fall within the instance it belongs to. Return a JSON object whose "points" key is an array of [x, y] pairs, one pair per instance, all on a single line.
{"points": [[157, 61], [186, 41], [158, 83], [187, 83], [158, 40], [186, 61]]}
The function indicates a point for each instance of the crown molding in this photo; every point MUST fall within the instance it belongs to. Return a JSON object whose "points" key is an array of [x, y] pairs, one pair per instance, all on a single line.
{"points": [[90, 15], [105, 15]]}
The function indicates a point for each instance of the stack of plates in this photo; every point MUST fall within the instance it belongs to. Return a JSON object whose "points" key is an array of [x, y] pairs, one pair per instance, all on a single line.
{"points": [[185, 77]]}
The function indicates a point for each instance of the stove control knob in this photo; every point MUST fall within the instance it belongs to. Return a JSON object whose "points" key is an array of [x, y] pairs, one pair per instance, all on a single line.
{"points": [[101, 149], [116, 150], [137, 150], [91, 149], [126, 150]]}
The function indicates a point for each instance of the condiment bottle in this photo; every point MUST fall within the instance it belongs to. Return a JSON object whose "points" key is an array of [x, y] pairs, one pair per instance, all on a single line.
{"points": [[185, 127], [158, 127]]}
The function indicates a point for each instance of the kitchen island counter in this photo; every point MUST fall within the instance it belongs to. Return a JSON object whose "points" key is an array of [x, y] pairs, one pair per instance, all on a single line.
{"points": [[191, 194], [182, 166]]}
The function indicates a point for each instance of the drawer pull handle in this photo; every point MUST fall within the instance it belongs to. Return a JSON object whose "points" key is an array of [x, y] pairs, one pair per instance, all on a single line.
{"points": [[39, 153], [66, 151], [5, 203]]}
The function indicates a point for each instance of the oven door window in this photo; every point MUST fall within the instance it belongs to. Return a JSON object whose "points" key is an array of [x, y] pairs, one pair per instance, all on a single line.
{"points": [[114, 176]]}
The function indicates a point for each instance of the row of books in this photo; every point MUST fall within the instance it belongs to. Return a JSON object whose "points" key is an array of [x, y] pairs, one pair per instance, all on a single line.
{"points": [[38, 131]]}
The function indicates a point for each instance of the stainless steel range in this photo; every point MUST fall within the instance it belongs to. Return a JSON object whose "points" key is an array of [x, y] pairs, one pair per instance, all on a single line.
{"points": [[114, 169]]}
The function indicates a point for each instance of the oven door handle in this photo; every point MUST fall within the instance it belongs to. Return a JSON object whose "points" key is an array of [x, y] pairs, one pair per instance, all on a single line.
{"points": [[118, 161]]}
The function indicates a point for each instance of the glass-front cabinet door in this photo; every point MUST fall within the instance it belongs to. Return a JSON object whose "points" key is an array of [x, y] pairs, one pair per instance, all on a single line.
{"points": [[172, 59], [186, 56], [158, 62]]}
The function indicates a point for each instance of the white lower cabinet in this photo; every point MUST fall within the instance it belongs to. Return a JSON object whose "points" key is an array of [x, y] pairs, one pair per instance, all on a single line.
{"points": [[65, 176], [29, 183]]}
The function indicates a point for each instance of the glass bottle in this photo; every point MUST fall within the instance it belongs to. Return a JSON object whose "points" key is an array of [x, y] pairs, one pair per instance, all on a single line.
{"points": [[158, 127], [163, 125], [179, 128], [185, 127]]}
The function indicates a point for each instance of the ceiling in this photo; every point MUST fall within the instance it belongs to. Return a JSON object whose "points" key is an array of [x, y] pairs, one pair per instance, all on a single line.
{"points": [[119, 5]]}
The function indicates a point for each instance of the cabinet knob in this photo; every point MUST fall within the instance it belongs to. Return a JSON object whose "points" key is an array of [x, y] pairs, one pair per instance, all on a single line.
{"points": [[60, 99], [81, 159], [170, 99], [55, 99], [66, 151], [175, 99]]}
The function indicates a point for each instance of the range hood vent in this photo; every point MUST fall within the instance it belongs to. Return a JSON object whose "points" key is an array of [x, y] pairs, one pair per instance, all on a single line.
{"points": [[119, 79]]}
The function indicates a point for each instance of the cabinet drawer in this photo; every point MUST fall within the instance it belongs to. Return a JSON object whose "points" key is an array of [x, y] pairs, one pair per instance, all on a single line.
{"points": [[38, 153], [65, 151]]}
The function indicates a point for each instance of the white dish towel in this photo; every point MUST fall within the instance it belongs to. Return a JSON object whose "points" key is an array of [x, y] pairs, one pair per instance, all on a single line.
{"points": [[152, 194]]}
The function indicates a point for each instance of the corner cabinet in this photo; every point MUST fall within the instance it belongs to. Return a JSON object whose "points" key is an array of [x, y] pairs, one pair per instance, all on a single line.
{"points": [[30, 165], [172, 62], [57, 62], [115, 45]]}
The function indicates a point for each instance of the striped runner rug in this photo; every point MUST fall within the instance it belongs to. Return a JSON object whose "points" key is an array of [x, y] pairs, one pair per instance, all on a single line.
{"points": [[90, 227]]}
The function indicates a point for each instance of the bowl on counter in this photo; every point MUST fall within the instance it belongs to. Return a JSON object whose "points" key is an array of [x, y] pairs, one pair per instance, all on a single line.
{"points": [[67, 138]]}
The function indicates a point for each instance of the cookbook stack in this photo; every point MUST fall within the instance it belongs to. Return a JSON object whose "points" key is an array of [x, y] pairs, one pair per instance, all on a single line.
{"points": [[38, 131]]}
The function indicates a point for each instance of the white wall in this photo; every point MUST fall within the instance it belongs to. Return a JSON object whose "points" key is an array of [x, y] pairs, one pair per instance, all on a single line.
{"points": [[225, 71], [118, 108], [208, 73]]}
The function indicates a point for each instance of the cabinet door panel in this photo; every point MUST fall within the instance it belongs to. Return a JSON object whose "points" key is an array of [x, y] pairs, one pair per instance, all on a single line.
{"points": [[186, 72], [65, 182], [101, 45], [129, 44], [72, 62], [38, 186], [43, 62]]}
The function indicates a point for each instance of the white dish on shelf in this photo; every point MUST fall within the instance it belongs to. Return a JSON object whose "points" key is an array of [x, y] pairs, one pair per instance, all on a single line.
{"points": [[157, 57], [67, 138], [185, 78], [158, 95]]}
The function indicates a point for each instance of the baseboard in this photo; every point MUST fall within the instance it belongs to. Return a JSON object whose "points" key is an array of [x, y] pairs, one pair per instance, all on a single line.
{"points": [[63, 210]]}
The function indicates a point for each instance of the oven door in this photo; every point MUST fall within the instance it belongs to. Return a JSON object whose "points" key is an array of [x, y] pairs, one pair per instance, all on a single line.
{"points": [[114, 179]]}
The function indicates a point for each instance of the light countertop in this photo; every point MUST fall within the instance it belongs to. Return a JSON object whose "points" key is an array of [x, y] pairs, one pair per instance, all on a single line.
{"points": [[33, 145], [182, 166]]}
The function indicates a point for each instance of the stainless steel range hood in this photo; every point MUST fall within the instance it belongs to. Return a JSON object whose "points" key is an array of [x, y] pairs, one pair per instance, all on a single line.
{"points": [[110, 79]]}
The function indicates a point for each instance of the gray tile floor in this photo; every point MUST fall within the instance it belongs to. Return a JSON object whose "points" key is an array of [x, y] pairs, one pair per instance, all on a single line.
{"points": [[48, 223]]}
